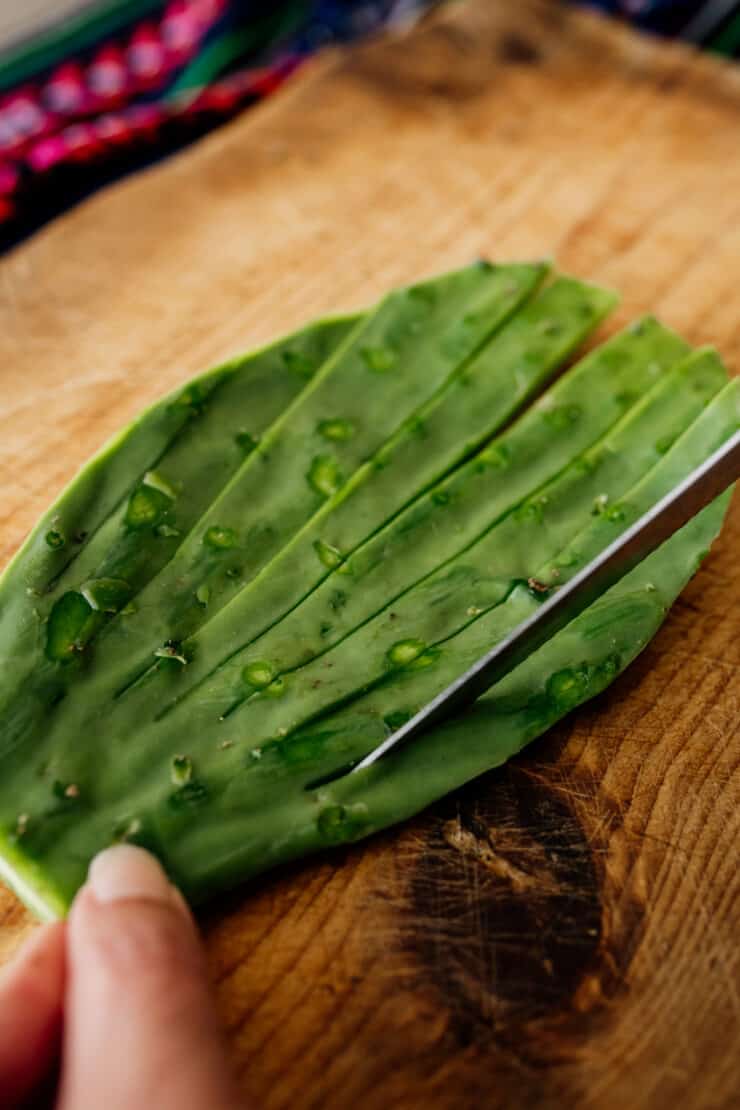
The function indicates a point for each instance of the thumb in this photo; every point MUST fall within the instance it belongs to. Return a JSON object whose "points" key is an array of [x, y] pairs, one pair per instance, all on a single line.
{"points": [[31, 991], [140, 1028]]}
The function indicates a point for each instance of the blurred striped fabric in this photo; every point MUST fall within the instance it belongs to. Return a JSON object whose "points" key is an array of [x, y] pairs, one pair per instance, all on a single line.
{"points": [[713, 24], [91, 89]]}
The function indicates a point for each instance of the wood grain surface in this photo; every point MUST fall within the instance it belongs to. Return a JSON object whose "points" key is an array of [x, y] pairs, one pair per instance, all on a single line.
{"points": [[563, 933]]}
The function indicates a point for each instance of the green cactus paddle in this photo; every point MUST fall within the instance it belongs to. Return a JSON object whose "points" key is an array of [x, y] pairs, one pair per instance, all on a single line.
{"points": [[274, 568]]}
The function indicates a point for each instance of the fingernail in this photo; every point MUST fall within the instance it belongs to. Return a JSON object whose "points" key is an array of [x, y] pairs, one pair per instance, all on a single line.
{"points": [[125, 871]]}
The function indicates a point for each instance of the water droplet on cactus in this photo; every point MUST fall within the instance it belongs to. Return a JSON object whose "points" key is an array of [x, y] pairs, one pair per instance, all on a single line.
{"points": [[277, 688], [69, 627], [166, 531], [405, 652], [427, 659], [146, 507], [337, 824], [336, 430], [568, 687], [153, 480], [600, 504], [259, 674], [181, 770], [55, 539], [325, 476], [106, 595], [220, 538], [330, 556], [615, 513], [378, 359], [203, 595]]}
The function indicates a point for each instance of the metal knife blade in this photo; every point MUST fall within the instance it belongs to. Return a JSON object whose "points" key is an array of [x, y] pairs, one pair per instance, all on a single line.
{"points": [[674, 510]]}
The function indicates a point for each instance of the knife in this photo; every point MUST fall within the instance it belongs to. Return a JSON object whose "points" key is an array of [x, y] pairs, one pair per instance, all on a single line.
{"points": [[710, 479]]}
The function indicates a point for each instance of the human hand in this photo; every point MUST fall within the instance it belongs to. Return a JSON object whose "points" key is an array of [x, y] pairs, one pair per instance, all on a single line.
{"points": [[119, 993]]}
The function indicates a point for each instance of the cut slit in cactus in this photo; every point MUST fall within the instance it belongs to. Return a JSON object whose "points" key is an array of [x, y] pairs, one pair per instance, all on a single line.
{"points": [[376, 492], [374, 583], [410, 632], [152, 484], [432, 329]]}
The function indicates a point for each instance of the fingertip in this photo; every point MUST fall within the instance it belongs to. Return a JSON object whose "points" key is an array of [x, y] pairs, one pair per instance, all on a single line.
{"points": [[125, 872], [129, 919], [138, 979]]}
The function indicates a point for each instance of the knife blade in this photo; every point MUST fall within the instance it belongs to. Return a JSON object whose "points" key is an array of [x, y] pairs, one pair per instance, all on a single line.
{"points": [[565, 602]]}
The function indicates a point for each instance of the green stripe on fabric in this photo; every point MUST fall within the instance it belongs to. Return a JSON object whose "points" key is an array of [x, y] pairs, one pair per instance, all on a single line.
{"points": [[728, 40], [217, 55]]}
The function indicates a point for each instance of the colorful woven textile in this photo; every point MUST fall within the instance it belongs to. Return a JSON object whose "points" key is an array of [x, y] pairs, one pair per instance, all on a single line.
{"points": [[127, 81]]}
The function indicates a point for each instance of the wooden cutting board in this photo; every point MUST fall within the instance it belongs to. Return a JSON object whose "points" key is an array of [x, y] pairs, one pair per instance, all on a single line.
{"points": [[564, 932]]}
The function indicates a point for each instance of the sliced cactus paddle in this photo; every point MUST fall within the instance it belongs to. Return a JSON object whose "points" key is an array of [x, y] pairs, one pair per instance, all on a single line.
{"points": [[392, 364], [410, 634], [458, 418], [273, 569], [185, 515]]}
